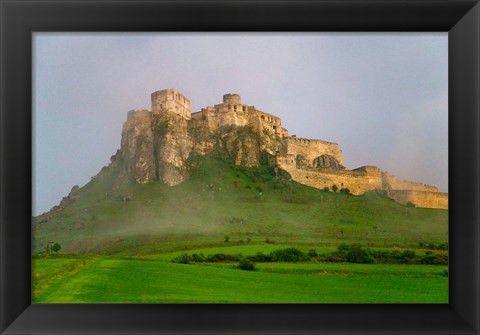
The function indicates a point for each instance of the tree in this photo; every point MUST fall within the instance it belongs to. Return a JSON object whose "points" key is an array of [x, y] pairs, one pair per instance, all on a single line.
{"points": [[56, 247], [335, 188], [227, 238]]}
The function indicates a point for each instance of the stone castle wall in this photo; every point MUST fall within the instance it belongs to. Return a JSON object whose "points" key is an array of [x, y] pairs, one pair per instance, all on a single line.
{"points": [[424, 199], [311, 149], [357, 182], [392, 183]]}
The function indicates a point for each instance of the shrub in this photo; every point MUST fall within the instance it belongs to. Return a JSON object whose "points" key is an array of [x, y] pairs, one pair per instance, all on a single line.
{"points": [[226, 239], [267, 240], [312, 253], [326, 189], [443, 246], [357, 254], [434, 259], [345, 190], [198, 258], [335, 188], [223, 258], [183, 259], [56, 248], [260, 257], [289, 255], [246, 264]]}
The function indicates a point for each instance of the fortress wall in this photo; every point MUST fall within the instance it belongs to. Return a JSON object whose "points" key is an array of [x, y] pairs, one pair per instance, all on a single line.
{"points": [[311, 149], [392, 183], [423, 199], [172, 101], [356, 182]]}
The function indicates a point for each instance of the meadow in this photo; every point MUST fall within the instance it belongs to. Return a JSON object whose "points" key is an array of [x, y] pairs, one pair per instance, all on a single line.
{"points": [[124, 251], [93, 279]]}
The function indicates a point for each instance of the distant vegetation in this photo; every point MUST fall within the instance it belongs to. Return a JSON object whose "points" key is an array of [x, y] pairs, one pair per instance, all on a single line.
{"points": [[345, 253]]}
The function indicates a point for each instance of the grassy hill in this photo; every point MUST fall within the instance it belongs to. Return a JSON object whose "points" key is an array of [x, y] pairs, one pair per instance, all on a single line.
{"points": [[223, 204]]}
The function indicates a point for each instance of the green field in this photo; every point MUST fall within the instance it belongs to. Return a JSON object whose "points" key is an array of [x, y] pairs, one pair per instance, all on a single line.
{"points": [[100, 279], [122, 251]]}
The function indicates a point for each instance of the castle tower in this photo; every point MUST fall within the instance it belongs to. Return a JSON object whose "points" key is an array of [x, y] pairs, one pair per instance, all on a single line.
{"points": [[171, 101], [232, 99]]}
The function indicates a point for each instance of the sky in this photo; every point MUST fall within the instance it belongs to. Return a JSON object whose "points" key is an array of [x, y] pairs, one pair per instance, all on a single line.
{"points": [[383, 97]]}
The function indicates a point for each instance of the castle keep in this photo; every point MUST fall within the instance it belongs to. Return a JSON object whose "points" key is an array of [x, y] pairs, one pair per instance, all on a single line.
{"points": [[156, 144]]}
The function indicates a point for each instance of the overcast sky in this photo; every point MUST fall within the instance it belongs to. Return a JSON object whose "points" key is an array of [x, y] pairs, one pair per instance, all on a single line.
{"points": [[381, 96]]}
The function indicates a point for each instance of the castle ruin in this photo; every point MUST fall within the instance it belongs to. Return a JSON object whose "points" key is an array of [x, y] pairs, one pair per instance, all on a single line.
{"points": [[157, 143]]}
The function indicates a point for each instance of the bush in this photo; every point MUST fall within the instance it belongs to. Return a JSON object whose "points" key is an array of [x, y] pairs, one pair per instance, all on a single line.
{"points": [[357, 254], [326, 189], [312, 253], [434, 259], [289, 255], [335, 188], [345, 190], [260, 257], [183, 259], [226, 239], [198, 258], [223, 258], [246, 264], [56, 248]]}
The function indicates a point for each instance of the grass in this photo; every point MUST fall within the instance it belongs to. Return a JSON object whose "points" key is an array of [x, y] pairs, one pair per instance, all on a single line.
{"points": [[114, 281]]}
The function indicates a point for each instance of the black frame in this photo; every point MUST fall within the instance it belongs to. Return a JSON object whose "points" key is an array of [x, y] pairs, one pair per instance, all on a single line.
{"points": [[19, 18]]}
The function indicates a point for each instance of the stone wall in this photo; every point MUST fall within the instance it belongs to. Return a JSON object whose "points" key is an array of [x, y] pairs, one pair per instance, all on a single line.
{"points": [[392, 183], [311, 149], [420, 198], [357, 182]]}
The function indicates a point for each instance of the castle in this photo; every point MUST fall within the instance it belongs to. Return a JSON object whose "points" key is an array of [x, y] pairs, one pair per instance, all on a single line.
{"points": [[156, 144]]}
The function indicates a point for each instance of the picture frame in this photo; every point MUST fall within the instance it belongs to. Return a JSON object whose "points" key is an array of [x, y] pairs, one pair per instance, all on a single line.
{"points": [[20, 18]]}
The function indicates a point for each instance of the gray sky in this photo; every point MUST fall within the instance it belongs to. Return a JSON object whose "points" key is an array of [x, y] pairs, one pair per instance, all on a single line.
{"points": [[381, 96]]}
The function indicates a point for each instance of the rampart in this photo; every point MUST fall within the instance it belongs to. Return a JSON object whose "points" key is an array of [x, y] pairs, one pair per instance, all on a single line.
{"points": [[311, 149], [420, 198], [356, 181], [392, 183]]}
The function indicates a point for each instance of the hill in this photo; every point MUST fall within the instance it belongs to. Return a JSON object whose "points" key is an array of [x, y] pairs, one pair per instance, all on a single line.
{"points": [[223, 203]]}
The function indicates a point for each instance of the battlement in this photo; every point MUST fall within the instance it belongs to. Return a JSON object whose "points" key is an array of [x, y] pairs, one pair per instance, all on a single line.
{"points": [[171, 101]]}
